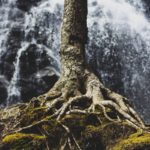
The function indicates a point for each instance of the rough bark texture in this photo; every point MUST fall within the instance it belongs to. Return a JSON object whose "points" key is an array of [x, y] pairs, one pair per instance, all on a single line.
{"points": [[73, 38], [79, 112]]}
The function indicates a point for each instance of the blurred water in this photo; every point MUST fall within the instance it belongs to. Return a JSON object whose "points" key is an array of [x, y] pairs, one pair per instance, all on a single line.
{"points": [[38, 28], [119, 38]]}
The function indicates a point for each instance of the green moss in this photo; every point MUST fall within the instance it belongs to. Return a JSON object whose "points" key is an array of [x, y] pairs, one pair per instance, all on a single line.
{"points": [[14, 137], [106, 135], [134, 141], [88, 130], [23, 141], [91, 138], [54, 131], [33, 115]]}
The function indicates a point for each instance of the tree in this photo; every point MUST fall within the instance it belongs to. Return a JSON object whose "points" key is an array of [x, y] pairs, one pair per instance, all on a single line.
{"points": [[77, 81], [78, 91]]}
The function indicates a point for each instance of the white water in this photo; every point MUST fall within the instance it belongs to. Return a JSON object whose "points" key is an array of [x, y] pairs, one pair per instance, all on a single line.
{"points": [[5, 23], [13, 89], [36, 17], [124, 17], [32, 19]]}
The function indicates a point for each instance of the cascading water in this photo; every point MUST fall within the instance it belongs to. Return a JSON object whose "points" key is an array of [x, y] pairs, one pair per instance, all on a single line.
{"points": [[6, 8], [23, 33], [119, 38], [8, 19], [118, 47], [14, 94]]}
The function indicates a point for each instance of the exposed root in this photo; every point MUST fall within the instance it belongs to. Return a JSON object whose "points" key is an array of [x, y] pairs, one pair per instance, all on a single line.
{"points": [[70, 136], [67, 104], [52, 104], [26, 127], [96, 99], [63, 146], [101, 99], [105, 114], [115, 101], [52, 95]]}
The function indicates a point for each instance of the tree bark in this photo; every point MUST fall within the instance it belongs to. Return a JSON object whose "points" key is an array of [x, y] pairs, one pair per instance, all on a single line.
{"points": [[73, 38]]}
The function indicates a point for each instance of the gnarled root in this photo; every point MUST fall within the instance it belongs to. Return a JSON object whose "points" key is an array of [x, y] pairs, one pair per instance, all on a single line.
{"points": [[105, 98], [69, 138], [90, 96], [98, 96]]}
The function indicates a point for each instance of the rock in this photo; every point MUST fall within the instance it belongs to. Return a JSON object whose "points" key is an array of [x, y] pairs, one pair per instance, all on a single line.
{"points": [[147, 6], [3, 88], [36, 72], [25, 5], [86, 129], [17, 140], [8, 58], [38, 30]]}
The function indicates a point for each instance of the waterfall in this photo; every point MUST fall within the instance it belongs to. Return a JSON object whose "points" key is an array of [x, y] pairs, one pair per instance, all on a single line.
{"points": [[117, 49], [13, 89], [7, 7], [39, 33], [119, 38]]}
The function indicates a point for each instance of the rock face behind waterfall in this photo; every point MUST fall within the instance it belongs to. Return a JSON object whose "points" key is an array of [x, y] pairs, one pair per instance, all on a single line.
{"points": [[37, 75], [147, 2], [119, 48], [28, 55], [26, 5]]}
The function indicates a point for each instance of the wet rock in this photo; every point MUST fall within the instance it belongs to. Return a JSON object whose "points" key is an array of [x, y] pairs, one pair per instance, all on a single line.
{"points": [[147, 6], [35, 86], [89, 135], [12, 45], [3, 89], [25, 5], [36, 72]]}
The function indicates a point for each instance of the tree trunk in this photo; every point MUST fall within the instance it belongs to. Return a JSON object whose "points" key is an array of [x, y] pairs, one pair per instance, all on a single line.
{"points": [[73, 38], [76, 81]]}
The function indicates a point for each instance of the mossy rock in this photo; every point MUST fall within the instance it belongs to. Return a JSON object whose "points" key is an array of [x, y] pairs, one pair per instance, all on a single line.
{"points": [[105, 136], [134, 142], [90, 132], [23, 141]]}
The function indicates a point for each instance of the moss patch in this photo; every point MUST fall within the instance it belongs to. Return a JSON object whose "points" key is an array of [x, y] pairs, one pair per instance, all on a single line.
{"points": [[91, 133], [134, 142], [105, 136], [17, 136], [20, 141]]}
